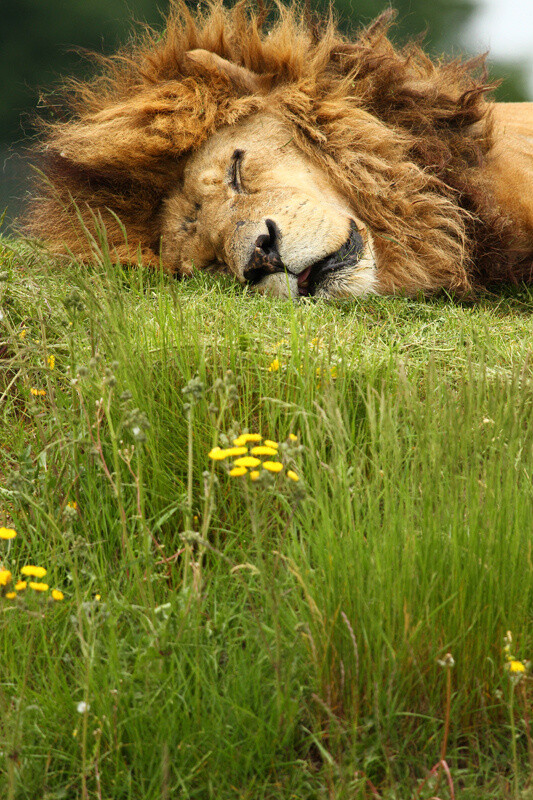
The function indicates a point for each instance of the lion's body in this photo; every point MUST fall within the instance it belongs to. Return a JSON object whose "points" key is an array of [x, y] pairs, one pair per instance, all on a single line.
{"points": [[344, 166], [509, 167]]}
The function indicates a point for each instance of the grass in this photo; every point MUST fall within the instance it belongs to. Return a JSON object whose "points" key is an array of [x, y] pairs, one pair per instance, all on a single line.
{"points": [[272, 639]]}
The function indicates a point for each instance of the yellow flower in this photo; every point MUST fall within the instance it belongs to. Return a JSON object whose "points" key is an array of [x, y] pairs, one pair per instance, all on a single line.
{"points": [[51, 361], [37, 392], [247, 461], [274, 365], [38, 587], [244, 438], [217, 454], [236, 472], [57, 595], [292, 475], [5, 577], [20, 586], [270, 443], [273, 466], [22, 334], [33, 572], [516, 666], [72, 504], [254, 475], [293, 437], [11, 595], [7, 533], [263, 451]]}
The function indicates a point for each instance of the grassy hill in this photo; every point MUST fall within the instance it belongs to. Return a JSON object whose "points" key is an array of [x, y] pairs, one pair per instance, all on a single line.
{"points": [[255, 635]]}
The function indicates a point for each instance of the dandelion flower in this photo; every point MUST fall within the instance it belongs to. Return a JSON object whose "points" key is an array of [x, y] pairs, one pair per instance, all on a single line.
{"points": [[38, 587], [235, 451], [5, 577], [20, 586], [7, 533], [57, 594], [270, 443], [236, 472], [51, 361], [274, 365], [516, 667], [244, 438], [217, 454], [254, 475], [247, 461], [263, 451], [292, 475], [11, 595], [33, 572], [273, 466]]}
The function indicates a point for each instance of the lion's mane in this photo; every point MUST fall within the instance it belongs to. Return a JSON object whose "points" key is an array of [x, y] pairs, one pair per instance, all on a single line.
{"points": [[402, 136]]}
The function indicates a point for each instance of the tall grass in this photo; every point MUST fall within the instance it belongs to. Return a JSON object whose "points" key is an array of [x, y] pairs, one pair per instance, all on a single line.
{"points": [[339, 636]]}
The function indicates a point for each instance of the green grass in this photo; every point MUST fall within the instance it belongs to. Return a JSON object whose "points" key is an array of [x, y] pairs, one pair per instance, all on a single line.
{"points": [[288, 646]]}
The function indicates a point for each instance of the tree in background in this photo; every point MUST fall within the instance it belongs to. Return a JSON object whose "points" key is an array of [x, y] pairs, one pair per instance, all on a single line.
{"points": [[38, 44], [440, 24], [440, 21]]}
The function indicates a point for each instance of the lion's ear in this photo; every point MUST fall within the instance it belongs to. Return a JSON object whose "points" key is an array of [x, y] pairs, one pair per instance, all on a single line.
{"points": [[240, 76]]}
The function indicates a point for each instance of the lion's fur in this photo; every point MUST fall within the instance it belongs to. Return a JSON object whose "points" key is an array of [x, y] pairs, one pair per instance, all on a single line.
{"points": [[402, 137]]}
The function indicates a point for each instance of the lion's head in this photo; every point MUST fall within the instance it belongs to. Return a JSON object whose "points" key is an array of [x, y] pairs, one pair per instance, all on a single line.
{"points": [[298, 161], [253, 203]]}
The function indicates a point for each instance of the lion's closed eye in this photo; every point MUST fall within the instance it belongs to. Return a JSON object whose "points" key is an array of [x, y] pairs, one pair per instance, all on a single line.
{"points": [[235, 176]]}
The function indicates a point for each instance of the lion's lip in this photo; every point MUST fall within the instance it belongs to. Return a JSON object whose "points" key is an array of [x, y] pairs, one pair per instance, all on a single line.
{"points": [[303, 281], [346, 256]]}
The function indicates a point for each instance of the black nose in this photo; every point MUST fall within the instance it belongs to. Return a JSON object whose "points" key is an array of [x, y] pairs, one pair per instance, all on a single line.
{"points": [[265, 259]]}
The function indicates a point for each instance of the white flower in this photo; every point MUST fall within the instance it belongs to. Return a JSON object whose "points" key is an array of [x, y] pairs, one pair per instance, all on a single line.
{"points": [[82, 707]]}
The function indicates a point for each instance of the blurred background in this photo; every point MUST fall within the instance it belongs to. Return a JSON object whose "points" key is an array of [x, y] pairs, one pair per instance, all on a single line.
{"points": [[42, 41]]}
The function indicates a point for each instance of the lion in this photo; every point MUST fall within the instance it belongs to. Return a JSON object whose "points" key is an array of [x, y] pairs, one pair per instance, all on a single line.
{"points": [[299, 161]]}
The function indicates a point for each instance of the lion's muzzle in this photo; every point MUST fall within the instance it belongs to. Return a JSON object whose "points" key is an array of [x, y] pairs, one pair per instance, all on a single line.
{"points": [[266, 260]]}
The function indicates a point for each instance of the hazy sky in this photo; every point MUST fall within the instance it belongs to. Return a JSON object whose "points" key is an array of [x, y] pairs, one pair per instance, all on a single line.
{"points": [[506, 27]]}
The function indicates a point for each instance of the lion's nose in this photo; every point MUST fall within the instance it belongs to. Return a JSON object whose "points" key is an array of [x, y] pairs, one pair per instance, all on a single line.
{"points": [[265, 259]]}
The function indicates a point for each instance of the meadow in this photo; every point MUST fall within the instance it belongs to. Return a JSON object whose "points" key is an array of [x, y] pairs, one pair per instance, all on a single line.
{"points": [[353, 622]]}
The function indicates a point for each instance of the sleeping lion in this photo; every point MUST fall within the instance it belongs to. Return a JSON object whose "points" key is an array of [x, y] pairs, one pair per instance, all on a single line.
{"points": [[300, 162]]}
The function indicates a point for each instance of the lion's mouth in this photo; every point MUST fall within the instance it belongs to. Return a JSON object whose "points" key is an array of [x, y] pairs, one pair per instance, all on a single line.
{"points": [[346, 256]]}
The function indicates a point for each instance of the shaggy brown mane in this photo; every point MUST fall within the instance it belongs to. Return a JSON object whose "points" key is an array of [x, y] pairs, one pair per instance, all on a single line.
{"points": [[402, 137]]}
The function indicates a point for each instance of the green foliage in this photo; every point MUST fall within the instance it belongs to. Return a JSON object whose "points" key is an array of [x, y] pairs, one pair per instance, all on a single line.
{"points": [[40, 44], [261, 639], [439, 22]]}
